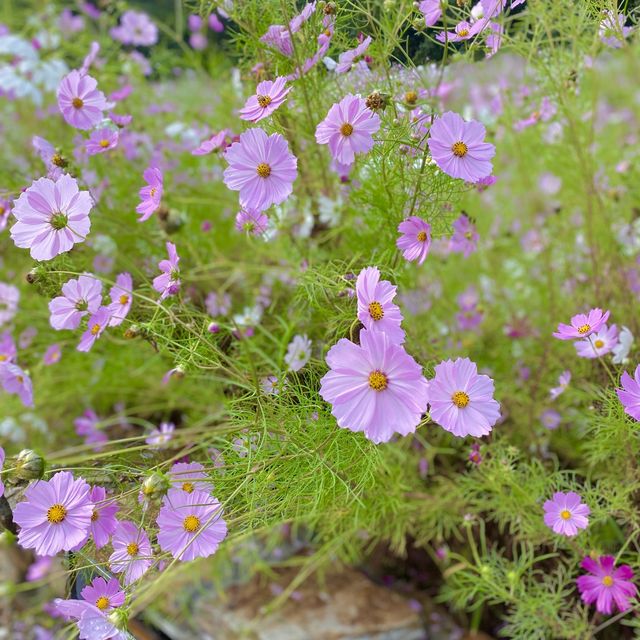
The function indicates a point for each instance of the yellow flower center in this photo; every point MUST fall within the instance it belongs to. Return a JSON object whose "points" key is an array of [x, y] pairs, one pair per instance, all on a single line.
{"points": [[124, 299], [153, 191], [95, 330], [56, 514], [58, 160], [410, 97], [264, 170], [94, 515], [132, 548], [459, 149], [188, 487], [376, 311], [378, 381], [346, 129], [585, 328], [191, 524], [565, 515], [463, 33], [264, 101], [422, 236], [77, 103], [104, 143], [607, 581], [599, 344], [102, 603], [460, 399], [3, 357], [20, 379]]}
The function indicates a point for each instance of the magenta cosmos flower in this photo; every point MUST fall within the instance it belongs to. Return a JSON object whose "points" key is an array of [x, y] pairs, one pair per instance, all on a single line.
{"points": [[16, 381], [168, 283], [375, 387], [269, 96], [79, 100], [566, 513], [348, 128], [121, 295], [79, 297], [629, 395], [103, 517], [190, 477], [261, 168], [461, 400], [582, 325], [104, 595], [55, 515], [599, 343], [98, 322], [131, 551], [348, 58], [607, 586], [101, 140], [459, 149], [191, 524], [150, 195], [51, 217], [92, 622], [376, 310], [431, 10], [415, 239]]}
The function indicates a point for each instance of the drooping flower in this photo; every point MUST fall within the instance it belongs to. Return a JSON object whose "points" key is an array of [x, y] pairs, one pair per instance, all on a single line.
{"points": [[101, 140], [121, 295], [151, 194], [461, 400], [217, 142], [415, 239], [375, 387], [254, 222], [347, 59], [98, 322], [158, 438], [191, 525], [629, 395], [261, 168], [431, 10], [103, 519], [53, 160], [582, 325], [607, 586], [92, 622], [104, 595], [132, 552], [51, 217], [135, 28], [168, 283], [55, 514], [79, 297], [348, 128], [376, 310], [80, 101], [268, 97], [599, 343], [9, 299], [459, 149], [566, 513], [622, 348], [189, 477], [16, 381], [278, 37], [298, 352], [563, 381]]}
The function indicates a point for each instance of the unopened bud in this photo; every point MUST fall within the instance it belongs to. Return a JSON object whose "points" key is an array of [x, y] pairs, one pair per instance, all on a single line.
{"points": [[29, 465], [155, 486]]}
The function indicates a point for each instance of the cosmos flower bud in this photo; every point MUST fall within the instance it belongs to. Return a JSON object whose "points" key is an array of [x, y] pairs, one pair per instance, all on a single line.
{"points": [[32, 276], [29, 465], [132, 332], [155, 486]]}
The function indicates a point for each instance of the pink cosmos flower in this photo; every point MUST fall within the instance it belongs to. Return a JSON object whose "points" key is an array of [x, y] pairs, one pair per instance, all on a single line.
{"points": [[582, 325], [566, 513], [191, 525], [79, 297], [51, 217], [261, 168], [52, 355], [168, 283], [348, 128], [279, 38], [80, 102], [101, 140], [189, 477], [375, 387], [254, 222], [54, 162], [612, 31], [461, 400], [298, 352], [348, 58], [459, 149], [563, 381], [218, 141], [16, 381], [103, 519], [131, 551], [158, 438], [55, 515], [629, 395], [431, 10], [269, 96], [135, 28], [607, 586], [2, 459], [5, 212], [93, 624], [9, 299], [121, 295], [87, 426], [8, 351], [376, 310], [599, 343], [98, 322], [463, 31], [295, 24], [465, 236], [415, 239], [150, 195], [104, 595]]}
